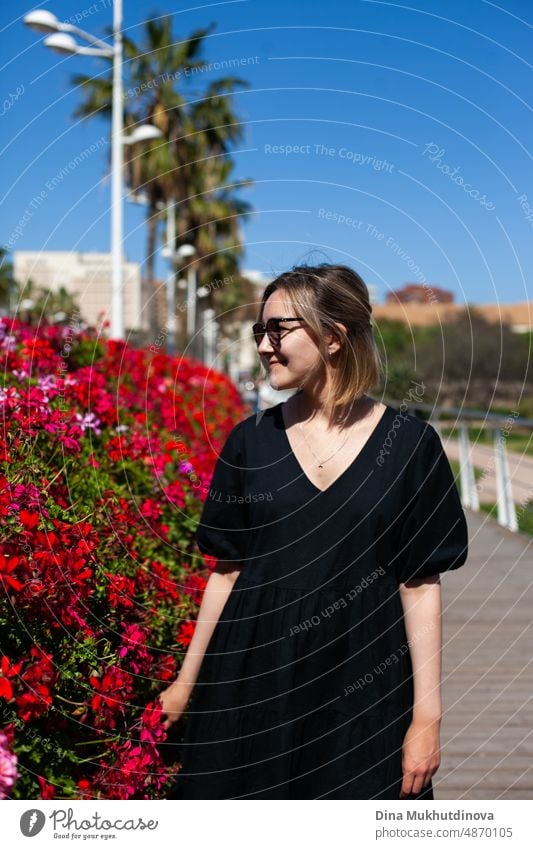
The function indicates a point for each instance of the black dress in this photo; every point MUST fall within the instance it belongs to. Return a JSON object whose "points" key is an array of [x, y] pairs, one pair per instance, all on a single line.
{"points": [[306, 690]]}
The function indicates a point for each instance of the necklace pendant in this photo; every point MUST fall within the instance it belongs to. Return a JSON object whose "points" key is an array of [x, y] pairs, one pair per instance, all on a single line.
{"points": [[320, 466]]}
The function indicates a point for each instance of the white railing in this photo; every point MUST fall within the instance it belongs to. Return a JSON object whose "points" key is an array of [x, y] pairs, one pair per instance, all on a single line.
{"points": [[500, 425]]}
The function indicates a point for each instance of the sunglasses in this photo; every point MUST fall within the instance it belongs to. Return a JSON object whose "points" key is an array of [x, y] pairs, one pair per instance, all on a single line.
{"points": [[272, 329]]}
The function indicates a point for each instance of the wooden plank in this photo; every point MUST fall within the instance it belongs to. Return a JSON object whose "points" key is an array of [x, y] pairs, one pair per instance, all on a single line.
{"points": [[487, 729]]}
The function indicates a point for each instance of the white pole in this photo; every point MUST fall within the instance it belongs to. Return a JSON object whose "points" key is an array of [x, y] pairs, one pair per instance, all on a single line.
{"points": [[171, 278], [117, 122], [506, 506], [469, 493], [191, 310], [209, 332]]}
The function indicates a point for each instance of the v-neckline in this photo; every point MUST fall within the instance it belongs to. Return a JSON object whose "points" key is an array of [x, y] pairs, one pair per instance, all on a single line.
{"points": [[370, 439]]}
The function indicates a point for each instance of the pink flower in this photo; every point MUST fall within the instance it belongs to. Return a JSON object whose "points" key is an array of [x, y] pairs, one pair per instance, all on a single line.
{"points": [[89, 421], [152, 721], [9, 343], [8, 764], [137, 769], [134, 647], [70, 441]]}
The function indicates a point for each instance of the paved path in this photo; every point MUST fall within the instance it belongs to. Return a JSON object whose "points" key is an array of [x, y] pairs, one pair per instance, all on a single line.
{"points": [[487, 727]]}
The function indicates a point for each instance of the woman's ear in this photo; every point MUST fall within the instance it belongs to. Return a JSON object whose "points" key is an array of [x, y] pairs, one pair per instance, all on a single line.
{"points": [[336, 339]]}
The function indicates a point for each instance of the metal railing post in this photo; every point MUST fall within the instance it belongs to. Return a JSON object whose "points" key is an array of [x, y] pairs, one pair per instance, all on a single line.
{"points": [[506, 506], [469, 493]]}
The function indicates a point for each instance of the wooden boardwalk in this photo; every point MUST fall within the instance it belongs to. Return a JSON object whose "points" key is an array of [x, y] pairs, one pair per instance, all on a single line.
{"points": [[487, 726]]}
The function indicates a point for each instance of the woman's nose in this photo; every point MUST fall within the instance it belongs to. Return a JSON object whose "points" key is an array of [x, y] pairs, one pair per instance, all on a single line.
{"points": [[265, 346]]}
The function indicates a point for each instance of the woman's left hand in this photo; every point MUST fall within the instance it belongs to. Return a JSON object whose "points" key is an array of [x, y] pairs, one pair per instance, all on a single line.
{"points": [[420, 756]]}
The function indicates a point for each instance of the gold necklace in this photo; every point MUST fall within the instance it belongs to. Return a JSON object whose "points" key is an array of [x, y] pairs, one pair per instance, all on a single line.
{"points": [[321, 462]]}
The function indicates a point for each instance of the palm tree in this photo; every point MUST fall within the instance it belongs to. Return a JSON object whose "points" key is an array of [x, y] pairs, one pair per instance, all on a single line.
{"points": [[212, 216], [168, 168], [210, 221]]}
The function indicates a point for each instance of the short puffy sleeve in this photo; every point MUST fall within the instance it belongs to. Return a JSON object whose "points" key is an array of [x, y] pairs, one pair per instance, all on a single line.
{"points": [[222, 530], [433, 534]]}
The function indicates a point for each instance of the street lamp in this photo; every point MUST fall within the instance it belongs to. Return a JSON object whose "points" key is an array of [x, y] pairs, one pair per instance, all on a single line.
{"points": [[65, 44], [62, 42], [142, 133]]}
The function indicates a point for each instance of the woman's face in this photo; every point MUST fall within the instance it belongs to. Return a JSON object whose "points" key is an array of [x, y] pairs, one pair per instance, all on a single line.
{"points": [[297, 357]]}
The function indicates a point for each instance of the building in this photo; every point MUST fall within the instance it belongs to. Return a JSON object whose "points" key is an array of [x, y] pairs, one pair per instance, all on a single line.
{"points": [[518, 316], [416, 293], [87, 277]]}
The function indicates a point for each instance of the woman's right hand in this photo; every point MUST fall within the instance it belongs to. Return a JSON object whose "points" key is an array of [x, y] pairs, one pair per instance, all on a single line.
{"points": [[174, 701]]}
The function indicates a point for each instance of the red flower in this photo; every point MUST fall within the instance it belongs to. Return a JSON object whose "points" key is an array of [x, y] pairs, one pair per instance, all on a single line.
{"points": [[5, 497], [195, 586], [84, 788], [8, 671], [40, 353], [175, 493], [7, 566], [185, 633], [163, 581], [37, 679], [165, 668], [29, 520], [32, 704], [151, 509], [152, 721], [136, 768], [120, 591], [47, 790], [140, 661], [71, 440], [210, 561], [112, 691]]}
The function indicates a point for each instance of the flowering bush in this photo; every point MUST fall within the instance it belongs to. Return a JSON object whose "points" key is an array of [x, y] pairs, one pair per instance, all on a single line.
{"points": [[106, 455], [8, 762]]}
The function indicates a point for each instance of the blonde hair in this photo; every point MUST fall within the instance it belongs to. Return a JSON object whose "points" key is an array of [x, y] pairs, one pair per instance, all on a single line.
{"points": [[325, 294]]}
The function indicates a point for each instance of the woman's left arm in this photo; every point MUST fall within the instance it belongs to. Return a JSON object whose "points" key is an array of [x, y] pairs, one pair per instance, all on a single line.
{"points": [[422, 607]]}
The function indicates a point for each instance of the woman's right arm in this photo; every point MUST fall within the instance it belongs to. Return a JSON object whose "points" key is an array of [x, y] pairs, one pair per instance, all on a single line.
{"points": [[219, 585]]}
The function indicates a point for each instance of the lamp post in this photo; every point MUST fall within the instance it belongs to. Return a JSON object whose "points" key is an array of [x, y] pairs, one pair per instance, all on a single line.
{"points": [[176, 257], [142, 199], [169, 252], [209, 336], [62, 42], [183, 252]]}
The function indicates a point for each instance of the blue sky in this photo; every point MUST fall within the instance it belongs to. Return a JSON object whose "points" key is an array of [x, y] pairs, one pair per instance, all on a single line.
{"points": [[394, 138]]}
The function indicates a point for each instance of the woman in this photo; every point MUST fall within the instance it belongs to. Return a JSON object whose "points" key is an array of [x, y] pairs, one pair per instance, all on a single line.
{"points": [[315, 665]]}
